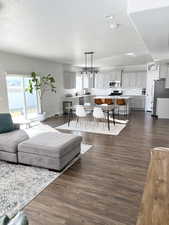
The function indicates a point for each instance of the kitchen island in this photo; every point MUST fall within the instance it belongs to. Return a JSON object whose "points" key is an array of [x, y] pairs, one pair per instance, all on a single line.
{"points": [[134, 102]]}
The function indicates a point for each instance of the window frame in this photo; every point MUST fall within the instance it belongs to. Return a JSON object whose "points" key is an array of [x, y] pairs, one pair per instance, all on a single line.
{"points": [[91, 81], [23, 76]]}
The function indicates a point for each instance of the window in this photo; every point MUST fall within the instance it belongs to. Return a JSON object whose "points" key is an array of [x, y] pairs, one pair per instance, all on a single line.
{"points": [[79, 82], [84, 81], [22, 105]]}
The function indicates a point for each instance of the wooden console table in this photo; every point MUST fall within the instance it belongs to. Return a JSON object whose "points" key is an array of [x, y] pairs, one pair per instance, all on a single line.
{"points": [[155, 203]]}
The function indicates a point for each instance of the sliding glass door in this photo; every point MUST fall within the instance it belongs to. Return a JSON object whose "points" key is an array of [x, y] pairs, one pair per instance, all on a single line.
{"points": [[22, 105], [31, 101]]}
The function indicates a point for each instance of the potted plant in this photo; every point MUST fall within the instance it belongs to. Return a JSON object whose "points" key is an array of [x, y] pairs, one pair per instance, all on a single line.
{"points": [[41, 84]]}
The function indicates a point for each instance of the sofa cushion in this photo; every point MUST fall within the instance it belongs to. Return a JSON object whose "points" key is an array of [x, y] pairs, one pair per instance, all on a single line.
{"points": [[6, 123], [9, 141], [50, 144]]}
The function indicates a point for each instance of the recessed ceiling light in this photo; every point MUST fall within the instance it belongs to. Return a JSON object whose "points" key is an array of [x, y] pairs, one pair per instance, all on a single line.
{"points": [[130, 54]]}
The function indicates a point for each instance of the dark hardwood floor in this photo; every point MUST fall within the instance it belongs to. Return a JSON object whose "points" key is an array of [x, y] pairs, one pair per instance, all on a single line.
{"points": [[105, 186]]}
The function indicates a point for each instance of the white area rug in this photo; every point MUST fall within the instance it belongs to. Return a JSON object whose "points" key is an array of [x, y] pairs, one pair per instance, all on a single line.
{"points": [[93, 127], [20, 184]]}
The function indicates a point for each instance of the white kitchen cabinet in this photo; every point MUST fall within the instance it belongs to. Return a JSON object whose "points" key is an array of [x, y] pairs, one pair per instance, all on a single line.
{"points": [[69, 79], [167, 82], [163, 71], [81, 99], [163, 108], [102, 78], [137, 103], [134, 79]]}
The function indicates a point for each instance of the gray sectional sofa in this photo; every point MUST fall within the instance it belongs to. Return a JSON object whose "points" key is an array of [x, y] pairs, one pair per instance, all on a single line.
{"points": [[51, 150], [9, 142], [10, 137]]}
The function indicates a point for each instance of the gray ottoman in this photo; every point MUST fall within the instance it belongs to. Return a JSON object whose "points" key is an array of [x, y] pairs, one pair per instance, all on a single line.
{"points": [[49, 150]]}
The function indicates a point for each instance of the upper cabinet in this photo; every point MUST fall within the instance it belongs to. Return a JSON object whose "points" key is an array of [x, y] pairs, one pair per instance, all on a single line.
{"points": [[69, 79], [134, 79], [167, 82], [163, 71], [102, 78], [129, 79]]}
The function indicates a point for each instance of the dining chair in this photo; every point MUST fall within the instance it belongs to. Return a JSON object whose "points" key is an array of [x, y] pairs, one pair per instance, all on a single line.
{"points": [[98, 115], [80, 112], [88, 104]]}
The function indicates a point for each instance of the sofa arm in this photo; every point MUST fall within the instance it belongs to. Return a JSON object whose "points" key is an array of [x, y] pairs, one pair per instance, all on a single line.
{"points": [[16, 126]]}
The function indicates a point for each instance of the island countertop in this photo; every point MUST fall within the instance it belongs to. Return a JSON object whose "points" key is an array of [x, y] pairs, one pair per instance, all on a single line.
{"points": [[112, 97]]}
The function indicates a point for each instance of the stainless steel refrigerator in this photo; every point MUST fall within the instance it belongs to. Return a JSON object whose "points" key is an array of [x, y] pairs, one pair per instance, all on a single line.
{"points": [[159, 92]]}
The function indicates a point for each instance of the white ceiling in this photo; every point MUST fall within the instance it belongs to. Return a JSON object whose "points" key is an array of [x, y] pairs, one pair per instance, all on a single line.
{"points": [[62, 30], [153, 25]]}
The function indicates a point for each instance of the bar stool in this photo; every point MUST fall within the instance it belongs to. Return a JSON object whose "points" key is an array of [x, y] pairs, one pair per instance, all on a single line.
{"points": [[108, 101], [98, 101], [121, 102]]}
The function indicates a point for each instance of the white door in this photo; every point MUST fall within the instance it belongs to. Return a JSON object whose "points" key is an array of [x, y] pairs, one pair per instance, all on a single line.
{"points": [[150, 92]]}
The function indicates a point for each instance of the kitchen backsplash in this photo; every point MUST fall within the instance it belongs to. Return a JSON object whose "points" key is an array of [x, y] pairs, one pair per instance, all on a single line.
{"points": [[95, 91], [136, 91]]}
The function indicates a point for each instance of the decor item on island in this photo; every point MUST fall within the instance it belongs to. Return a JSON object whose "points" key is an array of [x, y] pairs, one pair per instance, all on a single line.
{"points": [[21, 184], [41, 84]]}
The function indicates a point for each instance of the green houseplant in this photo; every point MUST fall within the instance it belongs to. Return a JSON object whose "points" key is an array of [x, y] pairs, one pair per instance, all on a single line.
{"points": [[41, 84]]}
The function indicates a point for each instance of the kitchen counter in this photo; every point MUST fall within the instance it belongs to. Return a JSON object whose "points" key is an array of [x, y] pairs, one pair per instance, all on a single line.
{"points": [[104, 96], [78, 96], [113, 97], [134, 102]]}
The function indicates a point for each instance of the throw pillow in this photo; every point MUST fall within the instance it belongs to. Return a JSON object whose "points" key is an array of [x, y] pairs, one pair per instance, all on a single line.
{"points": [[6, 123], [4, 220]]}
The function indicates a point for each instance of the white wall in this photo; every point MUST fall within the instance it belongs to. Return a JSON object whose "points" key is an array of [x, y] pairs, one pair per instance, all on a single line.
{"points": [[3, 92], [15, 64]]}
